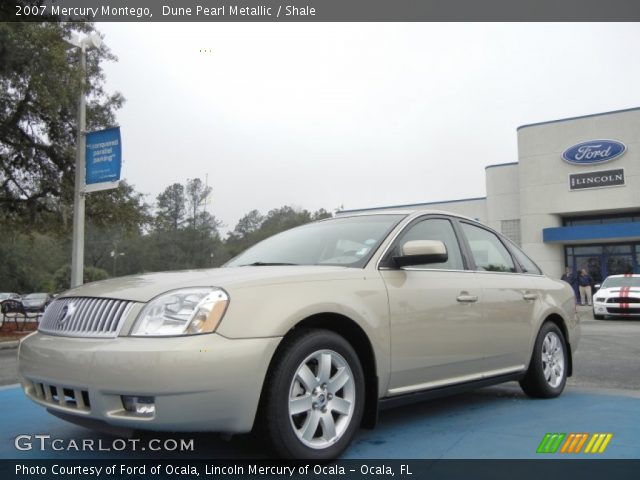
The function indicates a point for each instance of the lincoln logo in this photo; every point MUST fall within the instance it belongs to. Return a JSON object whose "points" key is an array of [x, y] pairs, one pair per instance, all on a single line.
{"points": [[594, 151]]}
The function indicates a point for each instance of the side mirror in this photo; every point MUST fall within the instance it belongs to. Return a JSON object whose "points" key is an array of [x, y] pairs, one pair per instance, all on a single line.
{"points": [[421, 252], [596, 286]]}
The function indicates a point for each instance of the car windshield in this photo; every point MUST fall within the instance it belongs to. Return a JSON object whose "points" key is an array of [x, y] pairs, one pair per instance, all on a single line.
{"points": [[613, 282], [346, 241], [4, 296]]}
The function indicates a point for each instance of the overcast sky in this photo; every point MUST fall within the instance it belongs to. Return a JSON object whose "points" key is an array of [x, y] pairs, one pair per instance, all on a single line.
{"points": [[354, 115]]}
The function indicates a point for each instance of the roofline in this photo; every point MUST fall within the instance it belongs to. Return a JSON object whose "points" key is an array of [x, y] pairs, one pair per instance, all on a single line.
{"points": [[411, 205], [579, 117], [495, 165]]}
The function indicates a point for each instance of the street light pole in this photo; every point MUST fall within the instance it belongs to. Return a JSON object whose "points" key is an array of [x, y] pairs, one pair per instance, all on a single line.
{"points": [[77, 249]]}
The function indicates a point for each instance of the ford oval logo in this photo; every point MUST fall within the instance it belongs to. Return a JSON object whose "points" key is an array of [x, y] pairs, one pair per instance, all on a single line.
{"points": [[594, 151]]}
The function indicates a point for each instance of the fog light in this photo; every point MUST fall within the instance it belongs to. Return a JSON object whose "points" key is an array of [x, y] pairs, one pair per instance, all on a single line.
{"points": [[143, 406]]}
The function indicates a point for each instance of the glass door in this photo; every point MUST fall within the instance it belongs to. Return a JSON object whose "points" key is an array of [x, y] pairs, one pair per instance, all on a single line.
{"points": [[592, 264], [619, 264]]}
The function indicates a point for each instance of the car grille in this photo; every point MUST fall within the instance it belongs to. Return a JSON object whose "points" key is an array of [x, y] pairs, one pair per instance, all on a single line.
{"points": [[628, 311], [85, 317], [623, 300], [57, 395]]}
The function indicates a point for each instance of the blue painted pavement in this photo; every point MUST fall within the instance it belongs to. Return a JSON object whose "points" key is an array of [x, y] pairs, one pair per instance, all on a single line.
{"points": [[492, 423]]}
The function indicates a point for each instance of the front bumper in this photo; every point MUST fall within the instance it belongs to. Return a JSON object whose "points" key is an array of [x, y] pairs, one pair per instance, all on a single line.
{"points": [[624, 309], [199, 383]]}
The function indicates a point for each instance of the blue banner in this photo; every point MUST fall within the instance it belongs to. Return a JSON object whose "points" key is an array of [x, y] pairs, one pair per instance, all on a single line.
{"points": [[103, 156]]}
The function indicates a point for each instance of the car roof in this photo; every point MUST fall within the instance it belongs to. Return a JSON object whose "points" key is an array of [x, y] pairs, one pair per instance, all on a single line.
{"points": [[624, 275], [412, 212]]}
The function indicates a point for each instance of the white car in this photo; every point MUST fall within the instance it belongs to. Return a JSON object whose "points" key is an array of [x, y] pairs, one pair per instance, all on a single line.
{"points": [[618, 295]]}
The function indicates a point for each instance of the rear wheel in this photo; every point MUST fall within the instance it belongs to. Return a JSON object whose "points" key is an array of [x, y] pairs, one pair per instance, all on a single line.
{"points": [[314, 398], [547, 373]]}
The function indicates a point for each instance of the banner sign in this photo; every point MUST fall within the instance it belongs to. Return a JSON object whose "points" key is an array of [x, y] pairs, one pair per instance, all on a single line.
{"points": [[603, 178], [103, 159]]}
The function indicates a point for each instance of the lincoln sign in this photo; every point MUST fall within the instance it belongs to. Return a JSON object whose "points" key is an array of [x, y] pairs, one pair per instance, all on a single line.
{"points": [[605, 178]]}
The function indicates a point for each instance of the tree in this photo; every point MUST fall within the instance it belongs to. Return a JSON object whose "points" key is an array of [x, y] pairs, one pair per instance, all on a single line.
{"points": [[40, 83], [170, 208], [248, 224], [197, 195], [115, 217]]}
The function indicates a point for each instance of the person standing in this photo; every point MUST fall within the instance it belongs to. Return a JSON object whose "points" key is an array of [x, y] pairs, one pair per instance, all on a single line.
{"points": [[571, 279], [584, 284]]}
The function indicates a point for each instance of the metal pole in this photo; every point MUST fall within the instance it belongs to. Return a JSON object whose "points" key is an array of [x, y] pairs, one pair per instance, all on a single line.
{"points": [[77, 249]]}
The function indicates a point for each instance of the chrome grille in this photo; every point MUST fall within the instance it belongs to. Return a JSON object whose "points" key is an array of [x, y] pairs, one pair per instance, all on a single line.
{"points": [[85, 317]]}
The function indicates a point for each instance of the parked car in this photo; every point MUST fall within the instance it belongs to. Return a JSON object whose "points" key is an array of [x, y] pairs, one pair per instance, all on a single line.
{"points": [[618, 295], [308, 334], [9, 296], [36, 302]]}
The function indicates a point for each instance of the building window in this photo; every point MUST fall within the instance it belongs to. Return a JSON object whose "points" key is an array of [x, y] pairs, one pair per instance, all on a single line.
{"points": [[511, 230], [601, 219]]}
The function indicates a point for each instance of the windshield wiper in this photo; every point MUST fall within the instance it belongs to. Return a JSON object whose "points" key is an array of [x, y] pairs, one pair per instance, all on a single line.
{"points": [[266, 264]]}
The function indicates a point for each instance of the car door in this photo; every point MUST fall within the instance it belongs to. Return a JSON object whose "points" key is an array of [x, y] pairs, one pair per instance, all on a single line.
{"points": [[509, 298], [435, 313]]}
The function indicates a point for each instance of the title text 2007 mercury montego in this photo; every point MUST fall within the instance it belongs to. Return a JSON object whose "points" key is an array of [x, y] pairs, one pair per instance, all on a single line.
{"points": [[308, 334]]}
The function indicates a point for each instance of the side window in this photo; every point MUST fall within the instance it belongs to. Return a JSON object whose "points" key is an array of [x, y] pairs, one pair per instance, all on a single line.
{"points": [[525, 262], [488, 251], [436, 229]]}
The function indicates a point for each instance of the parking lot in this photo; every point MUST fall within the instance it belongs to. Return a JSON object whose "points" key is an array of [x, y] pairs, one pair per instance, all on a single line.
{"points": [[497, 422]]}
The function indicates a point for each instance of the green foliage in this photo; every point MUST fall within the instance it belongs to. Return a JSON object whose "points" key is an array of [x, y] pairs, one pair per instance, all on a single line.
{"points": [[40, 83], [62, 276], [171, 208]]}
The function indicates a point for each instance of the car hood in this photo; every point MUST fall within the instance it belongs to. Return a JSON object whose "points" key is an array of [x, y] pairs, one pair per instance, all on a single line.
{"points": [[616, 291], [144, 287]]}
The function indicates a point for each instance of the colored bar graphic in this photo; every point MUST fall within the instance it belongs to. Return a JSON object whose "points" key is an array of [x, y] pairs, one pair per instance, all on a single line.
{"points": [[598, 443], [550, 442], [573, 443]]}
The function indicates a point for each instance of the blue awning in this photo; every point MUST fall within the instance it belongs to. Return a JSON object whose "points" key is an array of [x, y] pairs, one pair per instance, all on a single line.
{"points": [[606, 233]]}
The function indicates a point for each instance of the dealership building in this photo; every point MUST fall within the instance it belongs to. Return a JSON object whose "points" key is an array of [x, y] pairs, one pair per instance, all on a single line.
{"points": [[573, 196]]}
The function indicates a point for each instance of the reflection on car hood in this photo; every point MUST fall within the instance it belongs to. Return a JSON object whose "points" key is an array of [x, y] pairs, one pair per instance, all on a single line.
{"points": [[144, 287]]}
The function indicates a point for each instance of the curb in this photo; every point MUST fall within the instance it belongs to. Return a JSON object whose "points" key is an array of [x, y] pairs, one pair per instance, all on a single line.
{"points": [[9, 345]]}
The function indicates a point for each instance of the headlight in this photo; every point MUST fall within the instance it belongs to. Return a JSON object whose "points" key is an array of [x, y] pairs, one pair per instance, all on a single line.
{"points": [[187, 311], [599, 299]]}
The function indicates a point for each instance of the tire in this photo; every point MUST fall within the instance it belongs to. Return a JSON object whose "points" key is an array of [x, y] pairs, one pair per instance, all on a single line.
{"points": [[313, 400], [547, 373], [597, 317]]}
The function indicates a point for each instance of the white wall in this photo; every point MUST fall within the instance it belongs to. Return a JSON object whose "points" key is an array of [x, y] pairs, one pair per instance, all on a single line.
{"points": [[543, 178]]}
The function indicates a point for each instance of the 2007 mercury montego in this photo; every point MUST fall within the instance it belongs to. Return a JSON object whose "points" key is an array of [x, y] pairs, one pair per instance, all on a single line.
{"points": [[307, 334]]}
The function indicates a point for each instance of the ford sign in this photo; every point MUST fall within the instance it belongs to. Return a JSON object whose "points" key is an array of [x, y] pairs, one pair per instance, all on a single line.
{"points": [[594, 151]]}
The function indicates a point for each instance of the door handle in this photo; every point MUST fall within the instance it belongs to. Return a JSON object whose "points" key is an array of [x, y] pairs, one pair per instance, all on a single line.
{"points": [[530, 296], [466, 298]]}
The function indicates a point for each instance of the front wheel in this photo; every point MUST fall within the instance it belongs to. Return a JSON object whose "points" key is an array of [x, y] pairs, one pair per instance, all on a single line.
{"points": [[597, 317], [547, 373], [314, 398]]}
